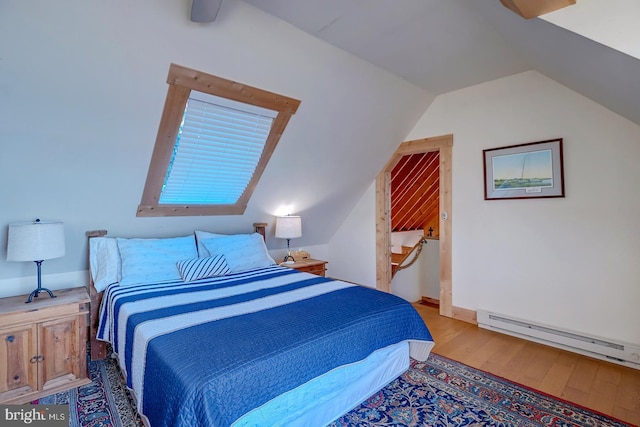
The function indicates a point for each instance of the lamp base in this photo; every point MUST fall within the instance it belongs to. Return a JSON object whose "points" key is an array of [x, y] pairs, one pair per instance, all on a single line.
{"points": [[36, 292], [39, 289], [286, 259]]}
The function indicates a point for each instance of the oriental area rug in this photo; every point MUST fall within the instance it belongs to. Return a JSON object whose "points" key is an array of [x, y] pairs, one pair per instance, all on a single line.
{"points": [[438, 392]]}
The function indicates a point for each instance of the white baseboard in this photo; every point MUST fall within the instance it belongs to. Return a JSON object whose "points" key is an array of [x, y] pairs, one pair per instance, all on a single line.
{"points": [[598, 347]]}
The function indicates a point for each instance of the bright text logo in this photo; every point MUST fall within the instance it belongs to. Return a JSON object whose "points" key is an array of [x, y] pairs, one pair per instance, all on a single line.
{"points": [[34, 415]]}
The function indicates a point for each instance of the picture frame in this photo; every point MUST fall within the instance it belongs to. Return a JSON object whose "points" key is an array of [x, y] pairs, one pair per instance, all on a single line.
{"points": [[525, 171]]}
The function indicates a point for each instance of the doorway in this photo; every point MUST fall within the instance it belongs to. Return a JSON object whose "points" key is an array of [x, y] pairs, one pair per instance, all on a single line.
{"points": [[442, 144]]}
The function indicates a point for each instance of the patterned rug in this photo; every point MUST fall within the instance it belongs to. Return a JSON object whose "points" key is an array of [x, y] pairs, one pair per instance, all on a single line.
{"points": [[105, 402], [439, 392], [442, 392]]}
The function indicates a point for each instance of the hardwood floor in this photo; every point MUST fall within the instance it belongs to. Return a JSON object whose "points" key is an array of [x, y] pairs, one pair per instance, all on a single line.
{"points": [[602, 386]]}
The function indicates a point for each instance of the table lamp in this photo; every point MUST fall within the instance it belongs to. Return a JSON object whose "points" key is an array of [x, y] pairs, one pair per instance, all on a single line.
{"points": [[36, 241], [288, 227]]}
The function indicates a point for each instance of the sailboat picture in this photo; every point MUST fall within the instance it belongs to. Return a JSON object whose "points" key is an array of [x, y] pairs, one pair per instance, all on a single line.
{"points": [[526, 170], [531, 170]]}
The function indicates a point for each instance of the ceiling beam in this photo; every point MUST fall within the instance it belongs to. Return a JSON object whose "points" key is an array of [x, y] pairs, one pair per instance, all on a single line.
{"points": [[533, 8]]}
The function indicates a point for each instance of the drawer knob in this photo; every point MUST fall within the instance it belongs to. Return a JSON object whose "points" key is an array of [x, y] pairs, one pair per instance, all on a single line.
{"points": [[16, 378], [10, 338]]}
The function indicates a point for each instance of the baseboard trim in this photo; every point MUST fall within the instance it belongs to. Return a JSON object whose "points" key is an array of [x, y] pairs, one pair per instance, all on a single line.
{"points": [[466, 315]]}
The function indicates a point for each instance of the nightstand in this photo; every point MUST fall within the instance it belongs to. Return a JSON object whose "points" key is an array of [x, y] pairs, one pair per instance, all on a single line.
{"points": [[43, 345], [309, 265]]}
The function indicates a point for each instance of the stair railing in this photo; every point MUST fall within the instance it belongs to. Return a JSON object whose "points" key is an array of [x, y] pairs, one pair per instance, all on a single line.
{"points": [[417, 248]]}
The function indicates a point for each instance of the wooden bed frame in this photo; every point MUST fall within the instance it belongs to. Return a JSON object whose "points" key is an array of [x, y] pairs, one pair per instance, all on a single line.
{"points": [[99, 348]]}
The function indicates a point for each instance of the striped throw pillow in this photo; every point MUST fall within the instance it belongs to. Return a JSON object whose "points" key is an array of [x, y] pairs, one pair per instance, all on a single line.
{"points": [[201, 268]]}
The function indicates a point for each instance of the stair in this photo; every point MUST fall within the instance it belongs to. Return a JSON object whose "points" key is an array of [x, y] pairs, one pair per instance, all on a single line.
{"points": [[398, 258]]}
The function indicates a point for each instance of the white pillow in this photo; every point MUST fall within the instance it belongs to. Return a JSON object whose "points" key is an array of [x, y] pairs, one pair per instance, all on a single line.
{"points": [[202, 268], [104, 262], [242, 251], [154, 260], [200, 236]]}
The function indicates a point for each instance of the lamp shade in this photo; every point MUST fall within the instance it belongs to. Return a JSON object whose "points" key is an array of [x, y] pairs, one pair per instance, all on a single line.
{"points": [[35, 240], [288, 227]]}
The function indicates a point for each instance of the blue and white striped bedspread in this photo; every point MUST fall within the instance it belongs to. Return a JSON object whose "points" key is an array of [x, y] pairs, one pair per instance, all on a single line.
{"points": [[207, 352]]}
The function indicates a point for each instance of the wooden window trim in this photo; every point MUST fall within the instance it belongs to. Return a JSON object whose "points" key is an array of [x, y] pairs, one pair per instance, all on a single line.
{"points": [[182, 81]]}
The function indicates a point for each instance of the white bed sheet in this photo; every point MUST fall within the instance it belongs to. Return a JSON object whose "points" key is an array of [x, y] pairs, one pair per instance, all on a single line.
{"points": [[328, 397]]}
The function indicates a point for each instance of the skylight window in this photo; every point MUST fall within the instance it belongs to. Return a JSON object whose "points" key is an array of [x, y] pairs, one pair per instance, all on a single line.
{"points": [[217, 149], [215, 139]]}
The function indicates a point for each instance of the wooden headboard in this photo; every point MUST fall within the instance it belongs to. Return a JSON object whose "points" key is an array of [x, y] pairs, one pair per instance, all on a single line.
{"points": [[99, 348]]}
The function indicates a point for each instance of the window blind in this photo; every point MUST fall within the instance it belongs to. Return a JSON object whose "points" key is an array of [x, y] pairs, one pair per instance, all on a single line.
{"points": [[217, 149]]}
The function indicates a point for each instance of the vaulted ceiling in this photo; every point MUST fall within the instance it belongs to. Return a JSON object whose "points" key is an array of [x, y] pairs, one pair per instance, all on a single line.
{"points": [[439, 45], [445, 45]]}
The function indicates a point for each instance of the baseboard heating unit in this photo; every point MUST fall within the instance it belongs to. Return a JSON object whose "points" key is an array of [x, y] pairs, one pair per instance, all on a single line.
{"points": [[616, 352]]}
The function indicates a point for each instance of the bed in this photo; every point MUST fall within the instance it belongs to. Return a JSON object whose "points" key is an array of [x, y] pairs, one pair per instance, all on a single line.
{"points": [[245, 341]]}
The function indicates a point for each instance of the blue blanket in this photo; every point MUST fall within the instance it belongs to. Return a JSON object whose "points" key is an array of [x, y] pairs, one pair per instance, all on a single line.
{"points": [[204, 354]]}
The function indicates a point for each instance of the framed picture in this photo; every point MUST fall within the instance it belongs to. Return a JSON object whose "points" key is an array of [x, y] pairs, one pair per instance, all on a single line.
{"points": [[524, 171]]}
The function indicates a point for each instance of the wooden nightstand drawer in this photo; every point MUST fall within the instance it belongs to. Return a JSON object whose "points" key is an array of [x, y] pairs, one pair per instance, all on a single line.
{"points": [[313, 269], [313, 266]]}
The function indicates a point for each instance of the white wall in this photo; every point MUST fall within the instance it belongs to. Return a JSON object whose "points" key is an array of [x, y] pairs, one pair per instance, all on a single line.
{"points": [[430, 270], [82, 90], [422, 279], [569, 262], [404, 238], [352, 250]]}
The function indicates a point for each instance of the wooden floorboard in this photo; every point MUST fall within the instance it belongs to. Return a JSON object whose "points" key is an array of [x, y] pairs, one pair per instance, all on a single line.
{"points": [[602, 386]]}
